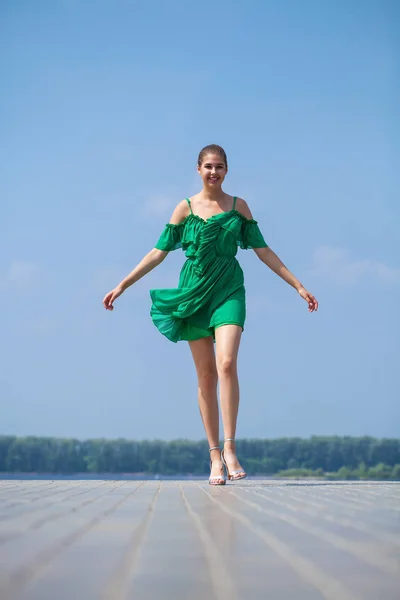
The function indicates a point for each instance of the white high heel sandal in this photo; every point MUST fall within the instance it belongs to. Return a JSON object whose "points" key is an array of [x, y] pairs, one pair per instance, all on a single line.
{"points": [[216, 479], [233, 475]]}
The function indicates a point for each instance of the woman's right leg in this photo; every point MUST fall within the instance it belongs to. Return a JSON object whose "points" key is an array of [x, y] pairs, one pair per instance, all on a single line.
{"points": [[204, 360]]}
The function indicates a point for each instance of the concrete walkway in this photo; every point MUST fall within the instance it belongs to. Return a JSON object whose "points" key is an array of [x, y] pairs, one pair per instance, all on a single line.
{"points": [[161, 540]]}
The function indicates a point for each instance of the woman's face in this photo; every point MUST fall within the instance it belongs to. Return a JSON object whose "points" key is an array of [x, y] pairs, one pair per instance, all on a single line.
{"points": [[212, 170]]}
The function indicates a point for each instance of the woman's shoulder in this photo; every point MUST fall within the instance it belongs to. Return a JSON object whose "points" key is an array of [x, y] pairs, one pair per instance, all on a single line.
{"points": [[243, 208], [181, 211]]}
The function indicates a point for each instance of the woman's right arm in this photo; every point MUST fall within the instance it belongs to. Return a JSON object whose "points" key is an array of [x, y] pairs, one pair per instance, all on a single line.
{"points": [[147, 264]]}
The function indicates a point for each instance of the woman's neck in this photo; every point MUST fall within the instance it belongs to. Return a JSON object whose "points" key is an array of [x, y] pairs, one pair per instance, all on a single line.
{"points": [[212, 195]]}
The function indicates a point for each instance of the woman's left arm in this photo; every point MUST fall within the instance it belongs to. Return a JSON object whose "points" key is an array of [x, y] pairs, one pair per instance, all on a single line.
{"points": [[268, 257]]}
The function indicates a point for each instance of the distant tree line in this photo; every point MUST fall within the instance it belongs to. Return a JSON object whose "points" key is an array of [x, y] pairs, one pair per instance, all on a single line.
{"points": [[353, 457], [379, 472]]}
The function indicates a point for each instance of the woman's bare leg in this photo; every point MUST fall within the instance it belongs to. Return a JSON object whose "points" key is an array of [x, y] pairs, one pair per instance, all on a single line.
{"points": [[227, 340], [207, 376]]}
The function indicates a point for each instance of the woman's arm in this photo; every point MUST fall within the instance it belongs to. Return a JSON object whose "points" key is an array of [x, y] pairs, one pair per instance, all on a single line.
{"points": [[268, 257], [148, 262]]}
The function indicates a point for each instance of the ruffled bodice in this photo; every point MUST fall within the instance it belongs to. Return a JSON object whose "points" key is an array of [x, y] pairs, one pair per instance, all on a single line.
{"points": [[221, 234]]}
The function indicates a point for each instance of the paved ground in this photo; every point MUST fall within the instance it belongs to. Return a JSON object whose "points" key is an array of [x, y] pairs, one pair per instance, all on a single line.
{"points": [[153, 540]]}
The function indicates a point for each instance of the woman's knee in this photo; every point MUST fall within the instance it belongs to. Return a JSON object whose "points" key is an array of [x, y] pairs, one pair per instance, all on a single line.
{"points": [[207, 376], [226, 366]]}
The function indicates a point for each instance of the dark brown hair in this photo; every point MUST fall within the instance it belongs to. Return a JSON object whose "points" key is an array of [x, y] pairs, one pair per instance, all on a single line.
{"points": [[212, 149]]}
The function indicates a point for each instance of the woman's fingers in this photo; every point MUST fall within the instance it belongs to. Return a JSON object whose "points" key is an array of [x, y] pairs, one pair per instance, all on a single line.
{"points": [[309, 298], [312, 303], [111, 296], [108, 300]]}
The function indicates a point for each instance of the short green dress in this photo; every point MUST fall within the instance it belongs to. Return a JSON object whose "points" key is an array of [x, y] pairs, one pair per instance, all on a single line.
{"points": [[210, 291]]}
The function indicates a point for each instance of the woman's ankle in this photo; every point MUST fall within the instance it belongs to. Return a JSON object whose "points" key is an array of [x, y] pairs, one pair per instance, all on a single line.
{"points": [[230, 445], [215, 454]]}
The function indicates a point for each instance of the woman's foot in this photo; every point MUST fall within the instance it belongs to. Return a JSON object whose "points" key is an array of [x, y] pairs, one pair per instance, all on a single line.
{"points": [[230, 459], [217, 474]]}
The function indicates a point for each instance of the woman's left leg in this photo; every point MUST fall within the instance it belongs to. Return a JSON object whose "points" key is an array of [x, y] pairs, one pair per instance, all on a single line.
{"points": [[227, 339]]}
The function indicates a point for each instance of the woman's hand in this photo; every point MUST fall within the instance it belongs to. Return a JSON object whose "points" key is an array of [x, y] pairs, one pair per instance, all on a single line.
{"points": [[309, 298], [111, 296]]}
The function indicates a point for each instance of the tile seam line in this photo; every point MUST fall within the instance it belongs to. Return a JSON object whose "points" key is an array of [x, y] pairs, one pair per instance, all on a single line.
{"points": [[220, 577], [117, 586], [327, 537], [26, 574], [330, 588], [324, 515]]}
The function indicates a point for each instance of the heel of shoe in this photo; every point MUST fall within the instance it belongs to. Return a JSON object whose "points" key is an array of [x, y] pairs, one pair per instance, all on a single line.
{"points": [[226, 466], [235, 475]]}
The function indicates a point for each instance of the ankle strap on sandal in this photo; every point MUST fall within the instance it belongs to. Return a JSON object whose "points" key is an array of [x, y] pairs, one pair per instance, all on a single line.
{"points": [[214, 448], [230, 440]]}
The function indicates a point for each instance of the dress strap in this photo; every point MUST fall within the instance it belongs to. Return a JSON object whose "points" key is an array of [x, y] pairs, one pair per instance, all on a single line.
{"points": [[190, 206], [234, 202]]}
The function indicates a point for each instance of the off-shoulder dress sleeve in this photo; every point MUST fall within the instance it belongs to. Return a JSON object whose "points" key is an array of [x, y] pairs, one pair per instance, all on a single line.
{"points": [[251, 236], [170, 238]]}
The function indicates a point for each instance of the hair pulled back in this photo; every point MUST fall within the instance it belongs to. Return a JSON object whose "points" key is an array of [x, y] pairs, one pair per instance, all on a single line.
{"points": [[212, 149]]}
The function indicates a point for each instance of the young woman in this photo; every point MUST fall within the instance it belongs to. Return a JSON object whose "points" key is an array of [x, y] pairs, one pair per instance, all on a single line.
{"points": [[209, 304]]}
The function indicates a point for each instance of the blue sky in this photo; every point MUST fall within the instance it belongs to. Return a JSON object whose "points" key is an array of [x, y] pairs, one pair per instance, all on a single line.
{"points": [[105, 106]]}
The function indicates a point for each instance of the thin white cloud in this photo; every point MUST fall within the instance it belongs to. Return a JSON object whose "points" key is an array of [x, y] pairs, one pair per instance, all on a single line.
{"points": [[22, 275], [337, 264], [158, 206]]}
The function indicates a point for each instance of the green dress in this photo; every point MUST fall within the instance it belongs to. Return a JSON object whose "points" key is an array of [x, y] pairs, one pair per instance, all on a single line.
{"points": [[210, 291]]}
